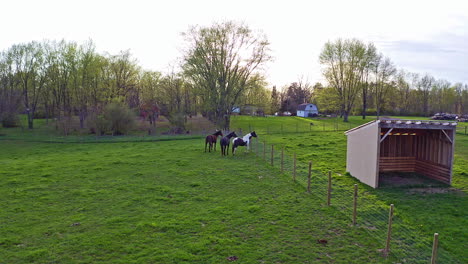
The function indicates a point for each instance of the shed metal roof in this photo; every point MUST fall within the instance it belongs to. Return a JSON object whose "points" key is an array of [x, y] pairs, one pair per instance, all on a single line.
{"points": [[408, 124]]}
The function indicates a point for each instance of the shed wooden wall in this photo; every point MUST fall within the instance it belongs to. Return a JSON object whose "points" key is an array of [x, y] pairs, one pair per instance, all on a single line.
{"points": [[363, 152], [429, 153]]}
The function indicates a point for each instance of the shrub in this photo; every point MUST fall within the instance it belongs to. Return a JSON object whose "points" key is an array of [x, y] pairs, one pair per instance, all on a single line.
{"points": [[121, 119], [98, 124], [10, 119], [178, 120]]}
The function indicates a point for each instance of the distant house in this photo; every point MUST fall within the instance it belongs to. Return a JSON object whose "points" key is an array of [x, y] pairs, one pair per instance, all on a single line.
{"points": [[307, 110], [236, 110]]}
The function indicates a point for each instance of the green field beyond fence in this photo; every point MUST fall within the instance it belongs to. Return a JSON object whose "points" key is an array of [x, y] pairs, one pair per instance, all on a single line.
{"points": [[289, 144]]}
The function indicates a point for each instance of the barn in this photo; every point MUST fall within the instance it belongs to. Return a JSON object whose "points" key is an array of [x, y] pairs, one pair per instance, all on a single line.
{"points": [[380, 146], [307, 110]]}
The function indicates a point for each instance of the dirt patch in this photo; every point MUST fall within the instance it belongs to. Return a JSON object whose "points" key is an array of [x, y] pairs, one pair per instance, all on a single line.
{"points": [[407, 179]]}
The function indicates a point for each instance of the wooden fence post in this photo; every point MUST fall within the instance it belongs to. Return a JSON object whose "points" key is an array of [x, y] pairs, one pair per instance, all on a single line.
{"points": [[309, 176], [355, 203], [282, 160], [329, 189], [256, 147], [272, 155], [294, 167], [435, 246], [389, 231]]}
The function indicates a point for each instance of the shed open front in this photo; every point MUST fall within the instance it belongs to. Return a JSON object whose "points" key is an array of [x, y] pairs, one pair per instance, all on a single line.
{"points": [[426, 151]]}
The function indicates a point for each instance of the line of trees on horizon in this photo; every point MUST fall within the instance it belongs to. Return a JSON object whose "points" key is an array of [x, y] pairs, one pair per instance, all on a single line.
{"points": [[221, 69]]}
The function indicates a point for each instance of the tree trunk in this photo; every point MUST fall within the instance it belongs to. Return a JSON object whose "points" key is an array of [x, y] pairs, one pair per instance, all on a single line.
{"points": [[227, 122], [82, 119], [364, 105], [30, 119], [345, 116]]}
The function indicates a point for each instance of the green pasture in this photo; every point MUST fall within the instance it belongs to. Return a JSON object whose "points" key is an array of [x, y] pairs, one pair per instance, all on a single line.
{"points": [[161, 202], [136, 199], [424, 209]]}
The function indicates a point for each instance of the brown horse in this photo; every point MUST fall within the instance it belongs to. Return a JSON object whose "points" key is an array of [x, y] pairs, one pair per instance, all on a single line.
{"points": [[211, 139]]}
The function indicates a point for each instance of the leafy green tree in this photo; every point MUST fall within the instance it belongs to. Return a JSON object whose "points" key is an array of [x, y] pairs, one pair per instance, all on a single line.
{"points": [[29, 71], [345, 62]]}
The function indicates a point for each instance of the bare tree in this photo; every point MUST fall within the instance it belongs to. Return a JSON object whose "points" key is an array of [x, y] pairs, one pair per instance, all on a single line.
{"points": [[424, 86], [219, 61], [383, 71]]}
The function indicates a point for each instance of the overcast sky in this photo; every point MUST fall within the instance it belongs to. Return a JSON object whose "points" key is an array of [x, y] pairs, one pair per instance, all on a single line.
{"points": [[419, 36]]}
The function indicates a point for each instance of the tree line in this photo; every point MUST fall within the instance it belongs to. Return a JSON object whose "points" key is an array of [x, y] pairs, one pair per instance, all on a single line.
{"points": [[221, 69], [362, 79], [62, 80]]}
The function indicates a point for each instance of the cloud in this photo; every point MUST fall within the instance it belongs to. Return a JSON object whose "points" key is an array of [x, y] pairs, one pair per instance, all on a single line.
{"points": [[445, 55]]}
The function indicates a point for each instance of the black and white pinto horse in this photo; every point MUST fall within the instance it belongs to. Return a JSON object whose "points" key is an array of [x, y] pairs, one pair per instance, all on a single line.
{"points": [[244, 141], [224, 143]]}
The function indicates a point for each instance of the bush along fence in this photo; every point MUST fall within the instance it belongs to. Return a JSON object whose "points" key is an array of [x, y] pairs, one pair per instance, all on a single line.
{"points": [[381, 221]]}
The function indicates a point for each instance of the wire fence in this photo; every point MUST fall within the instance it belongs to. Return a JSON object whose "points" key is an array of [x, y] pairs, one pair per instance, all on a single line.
{"points": [[404, 241], [314, 126]]}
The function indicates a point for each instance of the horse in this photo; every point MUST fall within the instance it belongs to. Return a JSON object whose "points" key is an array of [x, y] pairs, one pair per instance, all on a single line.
{"points": [[224, 143], [244, 141], [211, 139]]}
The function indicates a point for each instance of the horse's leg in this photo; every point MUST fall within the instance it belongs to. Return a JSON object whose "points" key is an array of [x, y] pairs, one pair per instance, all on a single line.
{"points": [[227, 152], [222, 150]]}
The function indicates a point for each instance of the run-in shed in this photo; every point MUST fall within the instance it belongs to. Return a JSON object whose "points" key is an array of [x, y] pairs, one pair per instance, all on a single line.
{"points": [[425, 147]]}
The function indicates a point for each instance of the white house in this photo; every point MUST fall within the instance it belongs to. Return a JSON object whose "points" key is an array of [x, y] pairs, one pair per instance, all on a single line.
{"points": [[307, 110]]}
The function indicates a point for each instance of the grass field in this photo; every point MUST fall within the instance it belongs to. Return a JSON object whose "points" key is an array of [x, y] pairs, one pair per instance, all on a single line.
{"points": [[161, 202], [429, 210], [168, 202]]}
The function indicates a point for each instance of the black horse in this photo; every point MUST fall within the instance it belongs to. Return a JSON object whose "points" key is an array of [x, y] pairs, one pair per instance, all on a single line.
{"points": [[224, 143], [211, 139], [244, 141]]}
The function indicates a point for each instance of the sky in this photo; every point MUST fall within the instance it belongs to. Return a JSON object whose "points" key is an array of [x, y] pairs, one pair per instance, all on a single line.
{"points": [[418, 36]]}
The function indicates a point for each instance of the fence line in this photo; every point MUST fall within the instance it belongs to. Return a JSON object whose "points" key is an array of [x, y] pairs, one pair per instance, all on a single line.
{"points": [[394, 237]]}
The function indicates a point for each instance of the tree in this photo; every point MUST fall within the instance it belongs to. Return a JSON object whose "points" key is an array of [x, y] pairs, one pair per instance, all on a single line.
{"points": [[28, 61], [369, 60], [403, 90], [345, 62], [171, 100], [424, 86], [257, 94], [328, 100], [297, 93], [383, 71], [10, 96], [275, 102], [219, 61]]}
